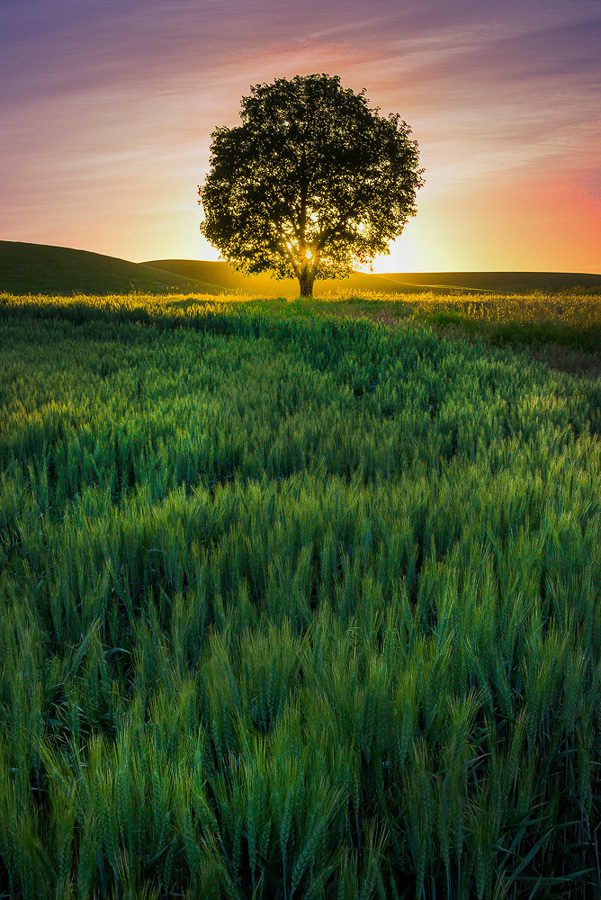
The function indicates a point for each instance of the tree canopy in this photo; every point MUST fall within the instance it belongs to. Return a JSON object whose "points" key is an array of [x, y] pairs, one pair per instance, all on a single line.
{"points": [[311, 182]]}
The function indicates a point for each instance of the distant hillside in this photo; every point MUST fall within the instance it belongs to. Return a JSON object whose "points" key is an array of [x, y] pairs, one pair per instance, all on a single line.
{"points": [[222, 274], [494, 281], [42, 269]]}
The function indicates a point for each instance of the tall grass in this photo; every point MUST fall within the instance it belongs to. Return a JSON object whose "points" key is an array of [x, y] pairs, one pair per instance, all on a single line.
{"points": [[292, 608]]}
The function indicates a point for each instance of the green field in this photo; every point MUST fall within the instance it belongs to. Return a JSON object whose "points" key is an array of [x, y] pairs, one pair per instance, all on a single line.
{"points": [[296, 604]]}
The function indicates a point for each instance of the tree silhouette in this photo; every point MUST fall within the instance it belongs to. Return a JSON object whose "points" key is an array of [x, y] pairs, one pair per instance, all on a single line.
{"points": [[312, 181]]}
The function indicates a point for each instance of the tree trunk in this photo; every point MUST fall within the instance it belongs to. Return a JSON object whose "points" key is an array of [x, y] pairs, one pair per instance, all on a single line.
{"points": [[306, 279]]}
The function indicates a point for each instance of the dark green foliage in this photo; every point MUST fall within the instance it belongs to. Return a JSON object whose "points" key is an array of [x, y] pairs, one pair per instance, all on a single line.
{"points": [[293, 609], [310, 182]]}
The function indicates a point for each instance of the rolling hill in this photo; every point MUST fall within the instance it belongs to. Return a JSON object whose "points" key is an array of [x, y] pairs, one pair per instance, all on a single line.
{"points": [[39, 268], [228, 278]]}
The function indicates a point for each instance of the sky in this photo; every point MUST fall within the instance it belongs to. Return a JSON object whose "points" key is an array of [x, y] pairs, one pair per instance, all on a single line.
{"points": [[107, 106]]}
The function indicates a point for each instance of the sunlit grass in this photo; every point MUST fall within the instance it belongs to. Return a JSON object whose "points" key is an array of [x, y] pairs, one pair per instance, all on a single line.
{"points": [[570, 310], [293, 605]]}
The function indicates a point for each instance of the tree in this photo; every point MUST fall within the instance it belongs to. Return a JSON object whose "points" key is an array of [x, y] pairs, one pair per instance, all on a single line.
{"points": [[311, 181]]}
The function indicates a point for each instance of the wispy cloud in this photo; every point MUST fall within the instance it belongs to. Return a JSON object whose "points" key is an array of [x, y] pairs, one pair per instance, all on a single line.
{"points": [[107, 103]]}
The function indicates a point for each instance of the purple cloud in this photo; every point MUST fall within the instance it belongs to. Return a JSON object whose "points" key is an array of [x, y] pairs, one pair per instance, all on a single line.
{"points": [[108, 105]]}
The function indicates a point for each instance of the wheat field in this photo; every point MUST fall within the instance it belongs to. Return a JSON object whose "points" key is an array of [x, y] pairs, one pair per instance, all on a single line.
{"points": [[295, 605]]}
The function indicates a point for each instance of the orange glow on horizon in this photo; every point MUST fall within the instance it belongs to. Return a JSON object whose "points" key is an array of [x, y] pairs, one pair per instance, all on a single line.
{"points": [[505, 114]]}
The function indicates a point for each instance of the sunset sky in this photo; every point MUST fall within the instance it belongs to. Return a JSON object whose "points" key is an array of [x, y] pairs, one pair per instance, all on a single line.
{"points": [[107, 106]]}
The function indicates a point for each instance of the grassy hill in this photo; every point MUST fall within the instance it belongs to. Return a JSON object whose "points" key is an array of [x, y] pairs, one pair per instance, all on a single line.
{"points": [[223, 274], [38, 268], [42, 269]]}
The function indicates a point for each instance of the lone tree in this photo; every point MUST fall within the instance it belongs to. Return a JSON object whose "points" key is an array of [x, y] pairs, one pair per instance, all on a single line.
{"points": [[312, 181]]}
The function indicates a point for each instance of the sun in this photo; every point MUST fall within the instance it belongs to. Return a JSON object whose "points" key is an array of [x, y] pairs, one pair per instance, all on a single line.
{"points": [[420, 248]]}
